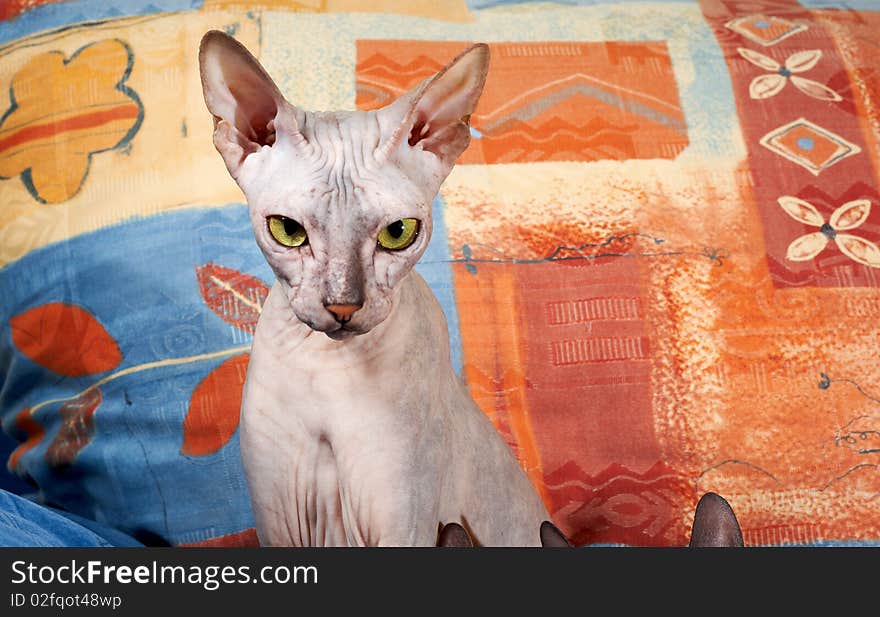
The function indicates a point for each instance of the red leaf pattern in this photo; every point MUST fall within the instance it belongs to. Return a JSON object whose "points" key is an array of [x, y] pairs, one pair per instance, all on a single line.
{"points": [[235, 297], [214, 408], [66, 339], [34, 433], [77, 429]]}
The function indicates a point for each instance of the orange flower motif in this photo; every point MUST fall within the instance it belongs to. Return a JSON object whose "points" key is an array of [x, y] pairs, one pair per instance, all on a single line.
{"points": [[64, 110], [765, 86], [847, 217]]}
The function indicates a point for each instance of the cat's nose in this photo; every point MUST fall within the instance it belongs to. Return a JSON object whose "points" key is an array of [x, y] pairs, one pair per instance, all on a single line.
{"points": [[343, 312]]}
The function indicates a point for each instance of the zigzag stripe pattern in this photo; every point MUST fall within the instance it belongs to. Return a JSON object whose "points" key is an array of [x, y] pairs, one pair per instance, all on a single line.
{"points": [[572, 107]]}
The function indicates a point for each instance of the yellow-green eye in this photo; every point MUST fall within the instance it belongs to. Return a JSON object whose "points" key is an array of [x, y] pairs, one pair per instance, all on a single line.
{"points": [[399, 234], [287, 231]]}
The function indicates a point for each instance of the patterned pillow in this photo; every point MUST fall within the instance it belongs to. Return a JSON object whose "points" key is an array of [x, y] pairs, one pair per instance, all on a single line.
{"points": [[658, 258]]}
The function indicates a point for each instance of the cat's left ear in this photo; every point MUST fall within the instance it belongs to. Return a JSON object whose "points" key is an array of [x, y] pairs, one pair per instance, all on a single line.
{"points": [[551, 537], [453, 535], [715, 523], [435, 117], [249, 111]]}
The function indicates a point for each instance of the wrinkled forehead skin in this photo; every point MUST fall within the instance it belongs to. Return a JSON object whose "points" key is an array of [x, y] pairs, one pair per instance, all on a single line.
{"points": [[341, 186]]}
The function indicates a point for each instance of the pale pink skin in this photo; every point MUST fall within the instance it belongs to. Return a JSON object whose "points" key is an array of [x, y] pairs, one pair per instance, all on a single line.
{"points": [[359, 435]]}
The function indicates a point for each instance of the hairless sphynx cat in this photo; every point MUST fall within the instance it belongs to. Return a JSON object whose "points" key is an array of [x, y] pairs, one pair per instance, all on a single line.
{"points": [[355, 429]]}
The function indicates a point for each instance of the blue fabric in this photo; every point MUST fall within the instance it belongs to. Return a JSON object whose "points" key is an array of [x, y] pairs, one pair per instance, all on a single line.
{"points": [[129, 470], [25, 523], [9, 482], [61, 15]]}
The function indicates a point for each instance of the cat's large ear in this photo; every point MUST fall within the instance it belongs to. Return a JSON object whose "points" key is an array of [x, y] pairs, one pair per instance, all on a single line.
{"points": [[453, 535], [435, 117], [551, 537], [715, 523], [249, 111]]}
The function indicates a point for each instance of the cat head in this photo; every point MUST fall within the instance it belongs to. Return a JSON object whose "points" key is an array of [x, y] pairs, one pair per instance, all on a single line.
{"points": [[340, 201]]}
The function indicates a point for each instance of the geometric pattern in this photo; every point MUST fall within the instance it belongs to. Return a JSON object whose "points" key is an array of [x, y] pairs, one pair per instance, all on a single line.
{"points": [[847, 217], [809, 145], [765, 30], [547, 101], [815, 148], [766, 86]]}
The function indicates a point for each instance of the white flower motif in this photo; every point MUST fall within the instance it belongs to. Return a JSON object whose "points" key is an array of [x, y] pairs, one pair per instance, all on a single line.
{"points": [[765, 86], [847, 217]]}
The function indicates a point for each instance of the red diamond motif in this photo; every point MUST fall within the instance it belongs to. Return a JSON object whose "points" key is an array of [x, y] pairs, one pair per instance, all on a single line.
{"points": [[809, 145], [764, 30]]}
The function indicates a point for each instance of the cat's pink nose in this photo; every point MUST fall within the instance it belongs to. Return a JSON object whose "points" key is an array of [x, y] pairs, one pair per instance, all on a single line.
{"points": [[343, 312]]}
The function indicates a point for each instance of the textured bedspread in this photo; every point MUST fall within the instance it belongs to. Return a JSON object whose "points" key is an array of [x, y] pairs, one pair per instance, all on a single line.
{"points": [[659, 257]]}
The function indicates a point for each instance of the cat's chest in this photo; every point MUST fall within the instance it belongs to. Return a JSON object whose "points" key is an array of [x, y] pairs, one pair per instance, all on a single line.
{"points": [[318, 476], [339, 405], [368, 408]]}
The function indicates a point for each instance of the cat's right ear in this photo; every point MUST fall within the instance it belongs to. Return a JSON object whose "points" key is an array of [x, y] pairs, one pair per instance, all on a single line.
{"points": [[715, 523], [551, 537], [453, 535], [435, 116], [249, 111]]}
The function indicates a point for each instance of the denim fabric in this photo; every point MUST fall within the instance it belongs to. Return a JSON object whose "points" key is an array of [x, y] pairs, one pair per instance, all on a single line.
{"points": [[25, 523]]}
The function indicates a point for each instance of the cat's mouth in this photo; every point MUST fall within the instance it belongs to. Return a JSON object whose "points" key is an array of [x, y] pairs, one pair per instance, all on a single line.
{"points": [[336, 331], [342, 333]]}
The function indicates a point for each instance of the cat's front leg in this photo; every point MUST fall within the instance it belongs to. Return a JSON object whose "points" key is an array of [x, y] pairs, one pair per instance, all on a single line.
{"points": [[423, 534], [390, 524], [389, 503]]}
